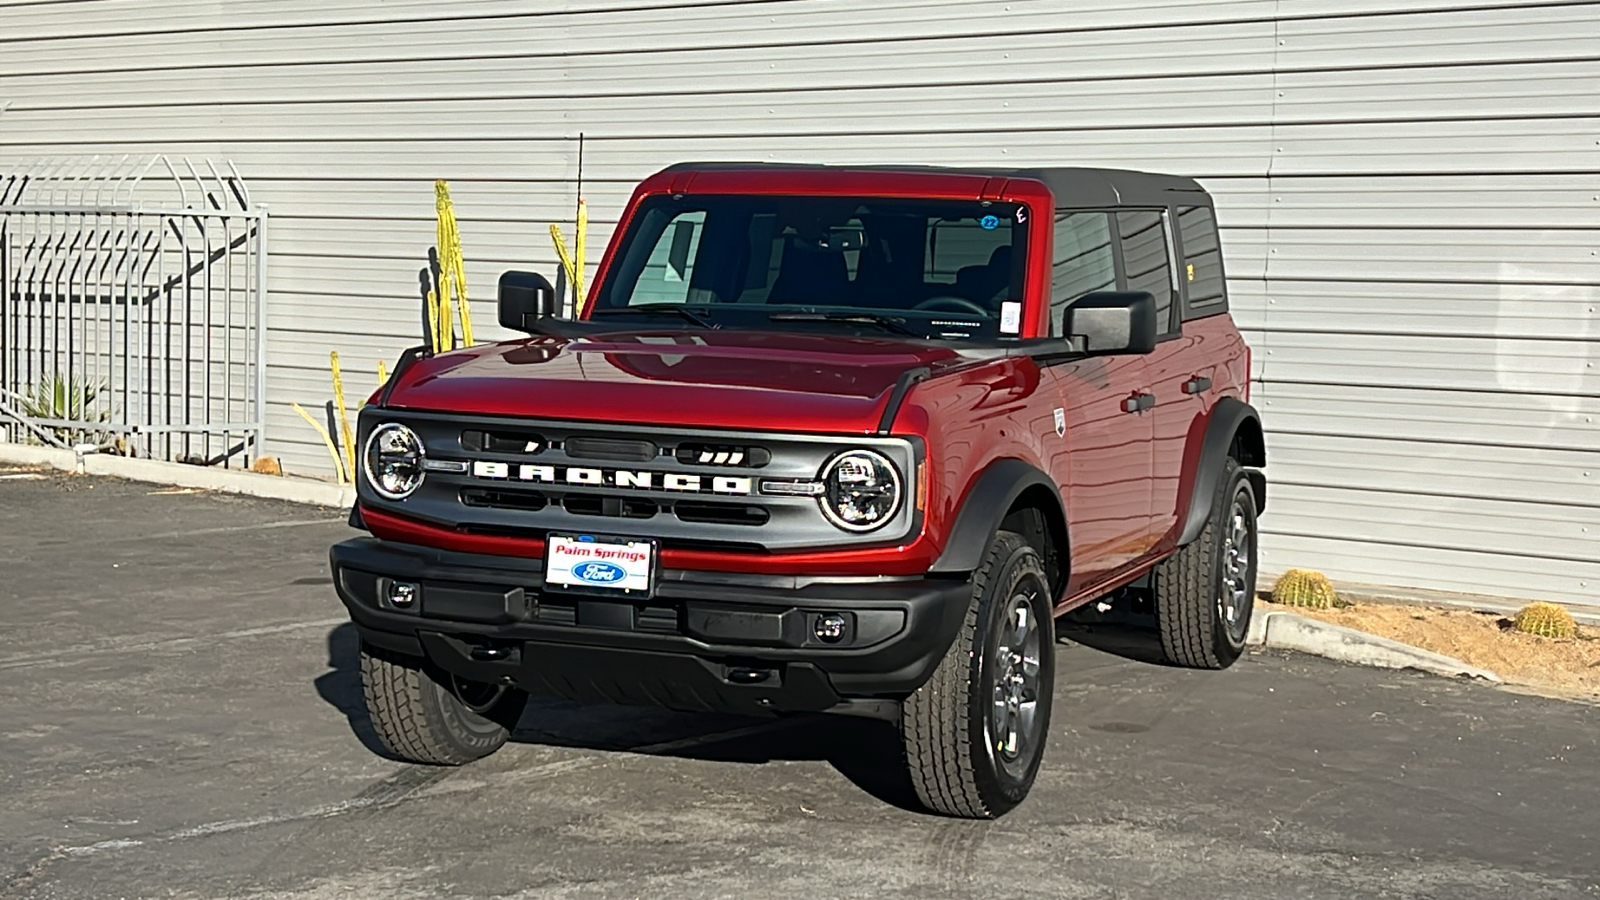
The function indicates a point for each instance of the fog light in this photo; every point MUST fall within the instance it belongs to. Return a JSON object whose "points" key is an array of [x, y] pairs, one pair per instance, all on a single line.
{"points": [[401, 594], [830, 628]]}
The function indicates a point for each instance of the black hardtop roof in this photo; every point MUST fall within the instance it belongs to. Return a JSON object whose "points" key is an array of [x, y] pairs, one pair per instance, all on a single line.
{"points": [[1072, 186]]}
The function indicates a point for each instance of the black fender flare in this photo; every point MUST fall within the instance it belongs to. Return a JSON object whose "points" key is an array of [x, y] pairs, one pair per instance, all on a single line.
{"points": [[1228, 416], [985, 507]]}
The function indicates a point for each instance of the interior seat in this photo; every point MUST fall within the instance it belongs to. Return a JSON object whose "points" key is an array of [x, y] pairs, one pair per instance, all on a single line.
{"points": [[984, 284], [811, 277]]}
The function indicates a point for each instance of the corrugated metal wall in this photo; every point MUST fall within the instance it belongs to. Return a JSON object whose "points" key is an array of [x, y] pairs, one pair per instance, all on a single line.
{"points": [[1410, 193]]}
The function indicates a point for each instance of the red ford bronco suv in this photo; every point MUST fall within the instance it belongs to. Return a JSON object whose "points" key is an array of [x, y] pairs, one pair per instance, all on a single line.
{"points": [[821, 439]]}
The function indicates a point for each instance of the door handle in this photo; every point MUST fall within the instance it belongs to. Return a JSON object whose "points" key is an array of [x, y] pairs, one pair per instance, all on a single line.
{"points": [[1138, 403], [1198, 384]]}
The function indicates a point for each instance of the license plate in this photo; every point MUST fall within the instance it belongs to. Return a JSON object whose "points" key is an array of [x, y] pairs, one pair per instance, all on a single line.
{"points": [[605, 565]]}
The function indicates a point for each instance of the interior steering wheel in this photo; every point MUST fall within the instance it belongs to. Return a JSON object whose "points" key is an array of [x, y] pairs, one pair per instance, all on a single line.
{"points": [[953, 303]]}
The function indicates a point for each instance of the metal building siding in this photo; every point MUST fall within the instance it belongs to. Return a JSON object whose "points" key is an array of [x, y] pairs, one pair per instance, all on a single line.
{"points": [[1409, 192], [1429, 342]]}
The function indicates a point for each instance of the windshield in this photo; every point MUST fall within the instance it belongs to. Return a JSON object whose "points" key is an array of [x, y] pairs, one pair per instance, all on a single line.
{"points": [[948, 269]]}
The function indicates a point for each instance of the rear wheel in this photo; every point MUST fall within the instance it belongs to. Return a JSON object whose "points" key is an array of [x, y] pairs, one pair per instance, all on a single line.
{"points": [[1206, 591], [974, 734], [426, 715]]}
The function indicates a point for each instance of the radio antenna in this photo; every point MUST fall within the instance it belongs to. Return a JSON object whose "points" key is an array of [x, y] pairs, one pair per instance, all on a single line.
{"points": [[580, 175]]}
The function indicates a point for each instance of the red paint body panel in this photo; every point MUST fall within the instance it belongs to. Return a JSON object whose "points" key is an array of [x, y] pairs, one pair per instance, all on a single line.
{"points": [[1208, 348], [1103, 466], [704, 379]]}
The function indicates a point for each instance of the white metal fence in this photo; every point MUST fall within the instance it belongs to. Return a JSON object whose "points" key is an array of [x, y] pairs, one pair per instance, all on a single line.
{"points": [[131, 308]]}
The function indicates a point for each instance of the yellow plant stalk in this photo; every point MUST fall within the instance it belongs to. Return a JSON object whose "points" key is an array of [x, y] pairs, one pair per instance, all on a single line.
{"points": [[346, 431], [581, 255], [452, 265], [564, 255], [434, 324], [338, 464]]}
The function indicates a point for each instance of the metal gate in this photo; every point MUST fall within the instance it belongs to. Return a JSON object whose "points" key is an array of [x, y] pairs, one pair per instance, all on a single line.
{"points": [[132, 311]]}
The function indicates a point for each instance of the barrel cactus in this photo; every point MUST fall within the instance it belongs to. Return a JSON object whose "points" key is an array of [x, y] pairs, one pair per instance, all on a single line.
{"points": [[1546, 620], [1305, 588]]}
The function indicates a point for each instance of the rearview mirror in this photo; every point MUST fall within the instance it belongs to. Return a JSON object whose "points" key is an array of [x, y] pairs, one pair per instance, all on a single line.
{"points": [[525, 297], [1113, 322]]}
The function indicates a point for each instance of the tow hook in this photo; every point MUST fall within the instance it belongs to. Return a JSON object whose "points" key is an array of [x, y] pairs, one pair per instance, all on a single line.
{"points": [[744, 675], [489, 652]]}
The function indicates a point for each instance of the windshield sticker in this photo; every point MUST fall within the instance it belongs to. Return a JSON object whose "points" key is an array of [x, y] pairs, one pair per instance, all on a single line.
{"points": [[1022, 214], [989, 223], [1010, 317]]}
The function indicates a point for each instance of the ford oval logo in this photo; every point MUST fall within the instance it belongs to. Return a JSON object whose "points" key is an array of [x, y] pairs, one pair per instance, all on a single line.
{"points": [[598, 572]]}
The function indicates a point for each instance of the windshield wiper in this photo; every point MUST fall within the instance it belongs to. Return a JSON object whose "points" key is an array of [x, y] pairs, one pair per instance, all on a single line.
{"points": [[656, 309], [851, 318]]}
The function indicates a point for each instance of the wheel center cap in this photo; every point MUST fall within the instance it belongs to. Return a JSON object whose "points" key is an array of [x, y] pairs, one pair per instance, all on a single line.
{"points": [[1013, 681]]}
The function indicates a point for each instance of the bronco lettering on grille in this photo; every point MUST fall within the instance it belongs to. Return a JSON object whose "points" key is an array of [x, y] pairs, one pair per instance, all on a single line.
{"points": [[617, 478]]}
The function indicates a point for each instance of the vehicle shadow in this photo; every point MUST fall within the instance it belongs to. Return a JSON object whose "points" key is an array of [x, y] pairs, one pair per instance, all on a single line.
{"points": [[340, 686], [865, 751], [1125, 629]]}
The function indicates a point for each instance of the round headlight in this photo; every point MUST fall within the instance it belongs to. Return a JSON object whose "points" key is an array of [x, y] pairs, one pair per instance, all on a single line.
{"points": [[861, 490], [393, 461]]}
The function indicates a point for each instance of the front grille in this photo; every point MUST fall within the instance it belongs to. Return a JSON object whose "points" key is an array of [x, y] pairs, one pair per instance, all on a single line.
{"points": [[610, 448], [616, 507], [721, 513], [527, 501], [504, 441], [699, 453], [683, 487]]}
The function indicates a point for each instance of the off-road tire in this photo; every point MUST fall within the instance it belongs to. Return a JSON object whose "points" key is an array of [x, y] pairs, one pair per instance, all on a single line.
{"points": [[945, 724], [418, 716], [1189, 585]]}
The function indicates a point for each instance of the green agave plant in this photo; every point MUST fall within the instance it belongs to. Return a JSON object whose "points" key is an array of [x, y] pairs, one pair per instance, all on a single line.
{"points": [[64, 397]]}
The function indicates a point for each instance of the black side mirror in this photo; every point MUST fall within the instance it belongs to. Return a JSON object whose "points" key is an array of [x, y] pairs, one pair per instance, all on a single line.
{"points": [[1113, 322], [525, 297]]}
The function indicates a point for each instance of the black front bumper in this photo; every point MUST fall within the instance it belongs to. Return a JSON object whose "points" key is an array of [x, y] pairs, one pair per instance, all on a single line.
{"points": [[705, 641]]}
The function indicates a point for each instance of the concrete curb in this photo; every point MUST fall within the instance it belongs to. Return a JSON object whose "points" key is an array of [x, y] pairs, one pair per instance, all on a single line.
{"points": [[24, 455], [231, 481], [1287, 631]]}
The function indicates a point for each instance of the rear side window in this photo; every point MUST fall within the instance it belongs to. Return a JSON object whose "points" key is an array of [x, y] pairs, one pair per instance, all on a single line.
{"points": [[1146, 260], [1084, 261], [1202, 258]]}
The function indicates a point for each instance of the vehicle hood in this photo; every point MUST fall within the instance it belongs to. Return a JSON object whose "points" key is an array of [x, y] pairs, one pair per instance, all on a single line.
{"points": [[713, 379]]}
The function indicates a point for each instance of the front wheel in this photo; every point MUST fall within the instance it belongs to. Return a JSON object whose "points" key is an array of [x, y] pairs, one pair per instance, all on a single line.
{"points": [[1206, 591], [975, 732], [426, 715]]}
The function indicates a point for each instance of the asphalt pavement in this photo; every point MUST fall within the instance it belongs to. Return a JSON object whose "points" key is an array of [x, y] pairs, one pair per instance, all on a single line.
{"points": [[180, 717]]}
